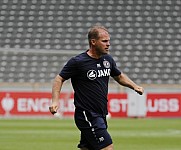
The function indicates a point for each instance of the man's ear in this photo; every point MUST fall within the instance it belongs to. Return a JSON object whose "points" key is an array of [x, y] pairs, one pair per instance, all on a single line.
{"points": [[93, 41]]}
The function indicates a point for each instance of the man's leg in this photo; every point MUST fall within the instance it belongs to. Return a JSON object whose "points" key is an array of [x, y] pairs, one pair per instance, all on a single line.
{"points": [[94, 134], [99, 139]]}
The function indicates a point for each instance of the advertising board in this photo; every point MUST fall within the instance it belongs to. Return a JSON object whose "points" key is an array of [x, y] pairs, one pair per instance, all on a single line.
{"points": [[37, 104]]}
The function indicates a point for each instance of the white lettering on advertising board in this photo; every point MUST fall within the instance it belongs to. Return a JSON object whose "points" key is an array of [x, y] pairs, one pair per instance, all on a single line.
{"points": [[42, 104], [36, 105], [163, 105], [117, 105]]}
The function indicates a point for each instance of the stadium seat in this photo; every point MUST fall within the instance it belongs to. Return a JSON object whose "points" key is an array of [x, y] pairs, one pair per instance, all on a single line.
{"points": [[145, 37]]}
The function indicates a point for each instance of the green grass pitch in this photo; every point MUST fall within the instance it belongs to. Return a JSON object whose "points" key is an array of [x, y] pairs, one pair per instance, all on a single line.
{"points": [[127, 134]]}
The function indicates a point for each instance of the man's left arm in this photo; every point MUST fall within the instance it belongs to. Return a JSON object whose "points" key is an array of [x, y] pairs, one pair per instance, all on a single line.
{"points": [[124, 80]]}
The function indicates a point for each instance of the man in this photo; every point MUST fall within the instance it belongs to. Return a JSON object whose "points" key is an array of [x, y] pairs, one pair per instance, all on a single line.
{"points": [[89, 73]]}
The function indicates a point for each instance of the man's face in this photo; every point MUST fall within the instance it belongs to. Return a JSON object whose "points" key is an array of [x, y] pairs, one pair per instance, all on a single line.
{"points": [[102, 44]]}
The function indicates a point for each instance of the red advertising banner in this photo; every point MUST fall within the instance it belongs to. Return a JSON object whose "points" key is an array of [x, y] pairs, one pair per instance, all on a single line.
{"points": [[117, 105], [37, 104], [32, 103], [164, 105], [24, 103]]}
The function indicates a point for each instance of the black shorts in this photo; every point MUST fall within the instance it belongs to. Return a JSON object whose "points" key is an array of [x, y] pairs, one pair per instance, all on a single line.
{"points": [[93, 127]]}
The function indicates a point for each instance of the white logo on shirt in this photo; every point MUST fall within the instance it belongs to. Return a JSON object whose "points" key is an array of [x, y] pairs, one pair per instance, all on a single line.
{"points": [[101, 139], [106, 64], [98, 65], [92, 74]]}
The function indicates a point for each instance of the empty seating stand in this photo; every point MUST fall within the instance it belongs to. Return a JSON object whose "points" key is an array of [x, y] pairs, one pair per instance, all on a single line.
{"points": [[145, 37]]}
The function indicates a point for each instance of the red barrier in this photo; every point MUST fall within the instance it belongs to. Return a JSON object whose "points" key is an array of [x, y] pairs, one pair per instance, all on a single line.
{"points": [[164, 105], [24, 103], [37, 103]]}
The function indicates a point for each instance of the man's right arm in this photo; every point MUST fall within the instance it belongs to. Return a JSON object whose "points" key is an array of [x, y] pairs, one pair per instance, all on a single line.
{"points": [[56, 88]]}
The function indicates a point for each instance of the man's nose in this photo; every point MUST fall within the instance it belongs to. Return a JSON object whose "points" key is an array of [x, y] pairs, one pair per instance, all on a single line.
{"points": [[108, 43]]}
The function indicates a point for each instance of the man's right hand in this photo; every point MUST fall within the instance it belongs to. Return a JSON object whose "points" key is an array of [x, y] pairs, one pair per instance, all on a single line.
{"points": [[53, 109]]}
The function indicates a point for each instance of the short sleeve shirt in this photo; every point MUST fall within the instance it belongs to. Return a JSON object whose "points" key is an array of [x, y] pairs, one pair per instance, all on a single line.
{"points": [[90, 77]]}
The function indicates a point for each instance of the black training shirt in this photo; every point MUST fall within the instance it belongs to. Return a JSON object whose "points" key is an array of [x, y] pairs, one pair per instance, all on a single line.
{"points": [[89, 77]]}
